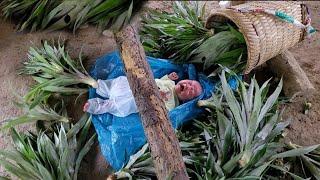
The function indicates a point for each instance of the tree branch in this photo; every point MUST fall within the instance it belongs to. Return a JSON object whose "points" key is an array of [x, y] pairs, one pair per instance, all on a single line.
{"points": [[164, 145]]}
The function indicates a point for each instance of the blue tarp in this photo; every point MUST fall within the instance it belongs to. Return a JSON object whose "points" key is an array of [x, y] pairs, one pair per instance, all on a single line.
{"points": [[118, 137]]}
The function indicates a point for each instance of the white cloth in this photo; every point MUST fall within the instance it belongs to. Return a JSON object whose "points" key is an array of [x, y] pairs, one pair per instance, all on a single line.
{"points": [[166, 87], [120, 100], [112, 88]]}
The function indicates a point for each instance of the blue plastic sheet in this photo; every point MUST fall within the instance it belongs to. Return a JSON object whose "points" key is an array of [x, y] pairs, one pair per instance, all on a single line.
{"points": [[118, 137]]}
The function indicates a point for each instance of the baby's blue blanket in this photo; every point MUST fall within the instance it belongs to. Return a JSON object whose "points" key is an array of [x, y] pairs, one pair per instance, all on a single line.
{"points": [[119, 138]]}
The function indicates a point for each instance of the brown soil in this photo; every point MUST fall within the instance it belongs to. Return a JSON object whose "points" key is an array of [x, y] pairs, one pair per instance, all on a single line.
{"points": [[304, 130]]}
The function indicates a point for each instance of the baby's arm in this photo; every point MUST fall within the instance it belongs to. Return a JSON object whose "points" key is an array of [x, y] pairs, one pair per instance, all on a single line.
{"points": [[99, 106], [104, 87], [173, 76]]}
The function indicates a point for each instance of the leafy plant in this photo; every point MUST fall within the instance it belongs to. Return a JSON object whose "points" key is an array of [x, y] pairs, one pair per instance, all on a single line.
{"points": [[174, 35], [48, 155], [225, 48], [140, 165], [55, 72], [58, 14], [183, 37], [41, 112], [247, 131], [306, 165], [239, 140]]}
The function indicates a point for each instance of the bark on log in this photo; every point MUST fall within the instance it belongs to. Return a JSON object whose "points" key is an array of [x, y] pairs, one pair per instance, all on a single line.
{"points": [[164, 145], [294, 78]]}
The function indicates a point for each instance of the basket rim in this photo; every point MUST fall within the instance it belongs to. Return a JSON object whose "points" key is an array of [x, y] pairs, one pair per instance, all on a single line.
{"points": [[265, 35], [251, 48]]}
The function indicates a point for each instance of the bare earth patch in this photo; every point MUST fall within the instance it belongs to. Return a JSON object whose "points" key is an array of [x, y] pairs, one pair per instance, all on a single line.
{"points": [[13, 51], [305, 128]]}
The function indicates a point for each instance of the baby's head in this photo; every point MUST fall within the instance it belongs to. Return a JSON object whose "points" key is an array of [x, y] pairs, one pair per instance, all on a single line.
{"points": [[188, 89]]}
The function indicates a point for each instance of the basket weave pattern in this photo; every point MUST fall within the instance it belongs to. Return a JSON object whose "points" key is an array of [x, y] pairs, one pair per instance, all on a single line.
{"points": [[266, 36]]}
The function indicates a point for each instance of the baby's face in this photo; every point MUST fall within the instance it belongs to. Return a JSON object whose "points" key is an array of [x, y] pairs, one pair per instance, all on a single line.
{"points": [[188, 89]]}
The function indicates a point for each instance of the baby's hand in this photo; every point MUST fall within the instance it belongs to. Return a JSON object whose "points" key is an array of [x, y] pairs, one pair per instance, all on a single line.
{"points": [[86, 107], [164, 95], [173, 76]]}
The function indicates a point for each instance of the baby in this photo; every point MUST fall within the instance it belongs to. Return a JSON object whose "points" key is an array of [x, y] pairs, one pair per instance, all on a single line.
{"points": [[121, 102]]}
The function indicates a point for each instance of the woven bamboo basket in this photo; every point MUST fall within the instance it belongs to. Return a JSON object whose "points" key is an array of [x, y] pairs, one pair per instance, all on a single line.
{"points": [[266, 36]]}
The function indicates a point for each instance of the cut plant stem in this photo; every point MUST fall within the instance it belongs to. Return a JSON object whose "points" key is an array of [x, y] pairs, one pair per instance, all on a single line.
{"points": [[55, 72], [89, 81]]}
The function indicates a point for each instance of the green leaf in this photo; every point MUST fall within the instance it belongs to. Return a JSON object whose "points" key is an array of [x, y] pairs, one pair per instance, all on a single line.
{"points": [[47, 14], [260, 170], [267, 129], [4, 178], [232, 163], [18, 140], [253, 120], [17, 158], [63, 164], [82, 153], [15, 170], [135, 157], [259, 154], [210, 50], [228, 141], [237, 34], [105, 6], [50, 150], [45, 174], [296, 152], [78, 126], [17, 121], [270, 102], [315, 171], [84, 133], [291, 174], [234, 107], [228, 58]]}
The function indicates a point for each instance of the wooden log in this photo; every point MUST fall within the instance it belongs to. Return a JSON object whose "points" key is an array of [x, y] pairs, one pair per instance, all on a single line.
{"points": [[164, 145], [295, 79]]}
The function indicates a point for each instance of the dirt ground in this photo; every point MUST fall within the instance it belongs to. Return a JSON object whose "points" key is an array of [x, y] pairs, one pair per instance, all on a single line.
{"points": [[13, 51], [304, 130]]}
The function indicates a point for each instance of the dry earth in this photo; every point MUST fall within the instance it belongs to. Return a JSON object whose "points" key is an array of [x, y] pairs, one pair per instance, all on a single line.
{"points": [[304, 130], [13, 50]]}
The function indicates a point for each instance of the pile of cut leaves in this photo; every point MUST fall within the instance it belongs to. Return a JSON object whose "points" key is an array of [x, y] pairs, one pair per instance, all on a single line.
{"points": [[57, 14], [55, 73], [51, 154], [57, 147], [241, 138], [183, 37], [57, 76]]}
